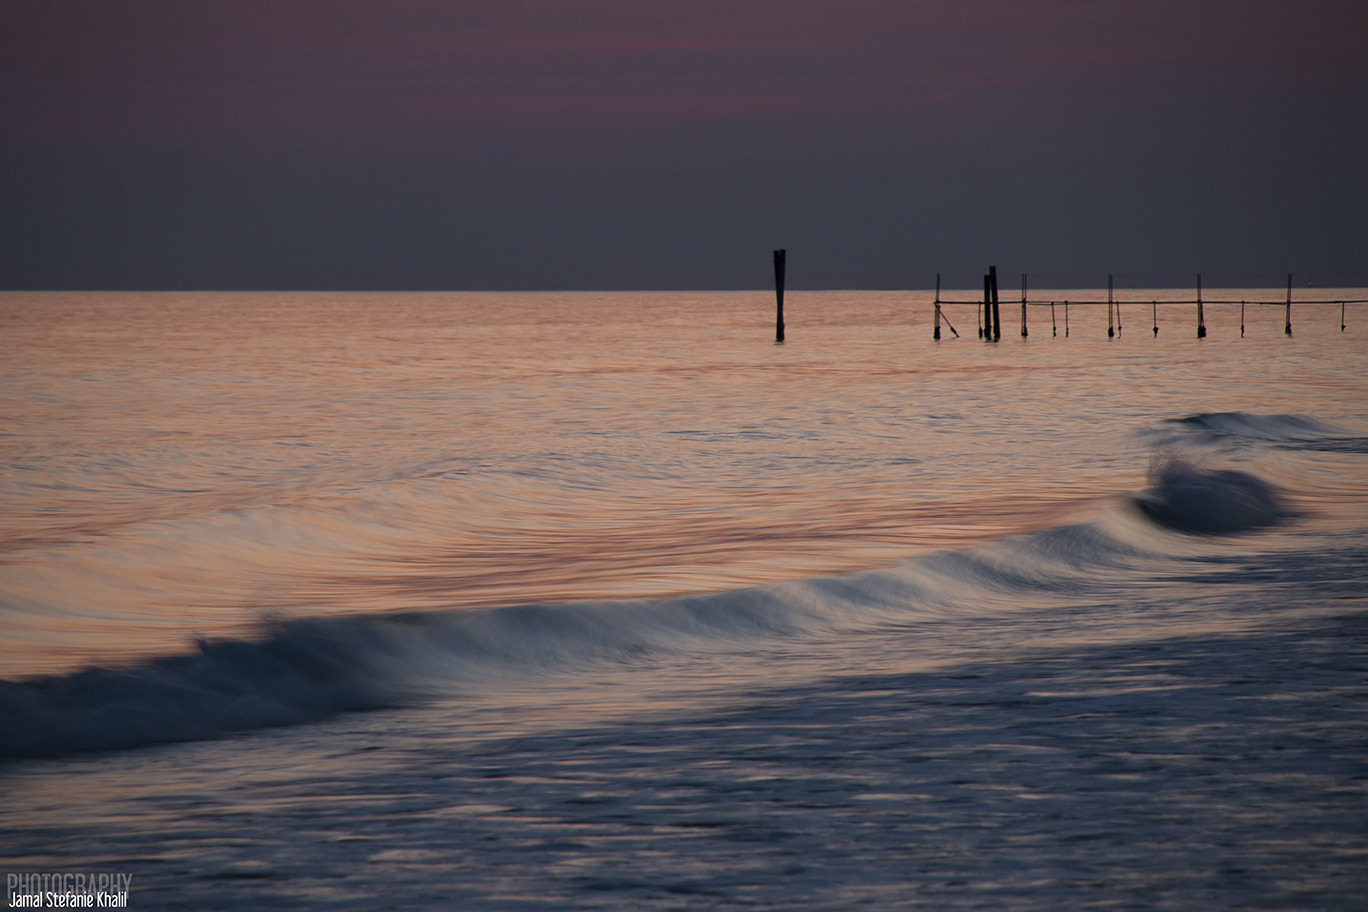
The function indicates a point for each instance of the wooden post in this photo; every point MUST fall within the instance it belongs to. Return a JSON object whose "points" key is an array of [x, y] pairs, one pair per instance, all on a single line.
{"points": [[780, 256], [936, 335], [997, 316], [1023, 306], [1156, 318], [1287, 323], [1111, 326], [986, 321], [1066, 318], [940, 316], [1201, 320]]}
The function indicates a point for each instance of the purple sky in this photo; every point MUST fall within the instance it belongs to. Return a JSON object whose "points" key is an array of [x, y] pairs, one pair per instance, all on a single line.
{"points": [[643, 144]]}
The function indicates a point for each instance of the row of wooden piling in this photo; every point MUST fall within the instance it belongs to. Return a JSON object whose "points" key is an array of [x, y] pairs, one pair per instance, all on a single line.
{"points": [[990, 315], [990, 323]]}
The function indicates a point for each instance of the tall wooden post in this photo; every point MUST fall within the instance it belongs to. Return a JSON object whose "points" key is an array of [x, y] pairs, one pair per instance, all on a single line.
{"points": [[997, 316], [1023, 305], [1201, 320], [1287, 322], [779, 258], [1111, 326], [986, 324], [936, 335]]}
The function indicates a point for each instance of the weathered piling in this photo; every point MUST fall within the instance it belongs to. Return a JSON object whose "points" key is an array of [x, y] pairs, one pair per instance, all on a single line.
{"points": [[1024, 332], [941, 316], [997, 317], [1111, 325], [988, 308], [936, 335], [1287, 319], [1201, 320], [780, 256], [986, 320]]}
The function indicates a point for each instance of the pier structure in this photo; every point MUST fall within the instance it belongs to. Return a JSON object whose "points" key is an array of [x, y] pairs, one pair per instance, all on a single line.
{"points": [[990, 324]]}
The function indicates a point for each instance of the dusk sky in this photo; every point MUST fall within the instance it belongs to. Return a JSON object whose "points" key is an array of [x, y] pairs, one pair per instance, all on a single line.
{"points": [[558, 144]]}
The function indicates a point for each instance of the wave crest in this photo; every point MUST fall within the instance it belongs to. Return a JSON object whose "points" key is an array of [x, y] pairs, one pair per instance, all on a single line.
{"points": [[296, 673], [1198, 501], [1239, 430]]}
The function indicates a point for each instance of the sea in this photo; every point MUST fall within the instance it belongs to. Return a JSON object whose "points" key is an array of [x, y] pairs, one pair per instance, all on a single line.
{"points": [[514, 601]]}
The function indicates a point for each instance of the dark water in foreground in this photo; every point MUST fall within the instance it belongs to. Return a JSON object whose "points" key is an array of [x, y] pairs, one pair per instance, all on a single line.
{"points": [[605, 601]]}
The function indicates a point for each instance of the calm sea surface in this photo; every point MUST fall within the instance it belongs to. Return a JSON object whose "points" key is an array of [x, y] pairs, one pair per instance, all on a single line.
{"points": [[535, 601]]}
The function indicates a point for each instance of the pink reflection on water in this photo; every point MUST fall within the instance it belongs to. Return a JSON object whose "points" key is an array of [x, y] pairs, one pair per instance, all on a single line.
{"points": [[183, 464]]}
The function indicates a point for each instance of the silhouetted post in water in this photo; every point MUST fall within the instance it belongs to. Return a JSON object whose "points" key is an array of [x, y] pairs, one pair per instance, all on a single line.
{"points": [[936, 335], [1156, 318], [1201, 320], [1287, 327], [992, 326], [1023, 305], [997, 316], [940, 316], [1242, 322], [1111, 326], [986, 318], [1054, 327], [779, 257], [1066, 318]]}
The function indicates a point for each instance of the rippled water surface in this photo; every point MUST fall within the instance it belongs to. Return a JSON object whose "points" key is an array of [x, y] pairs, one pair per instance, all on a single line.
{"points": [[651, 612], [179, 464]]}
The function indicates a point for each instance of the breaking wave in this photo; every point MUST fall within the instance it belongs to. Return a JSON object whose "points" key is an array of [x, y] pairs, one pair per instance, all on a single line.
{"points": [[310, 669], [1210, 502], [1236, 430]]}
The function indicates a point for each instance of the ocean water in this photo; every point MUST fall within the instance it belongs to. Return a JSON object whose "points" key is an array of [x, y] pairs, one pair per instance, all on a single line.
{"points": [[607, 601]]}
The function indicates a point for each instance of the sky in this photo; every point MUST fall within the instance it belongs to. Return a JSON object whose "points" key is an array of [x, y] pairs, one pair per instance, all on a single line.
{"points": [[642, 144]]}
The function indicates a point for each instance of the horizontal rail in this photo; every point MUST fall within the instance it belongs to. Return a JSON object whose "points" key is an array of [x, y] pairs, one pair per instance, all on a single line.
{"points": [[1071, 302]]}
